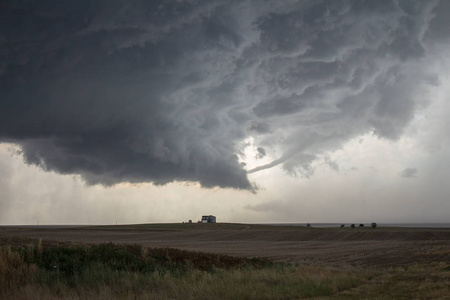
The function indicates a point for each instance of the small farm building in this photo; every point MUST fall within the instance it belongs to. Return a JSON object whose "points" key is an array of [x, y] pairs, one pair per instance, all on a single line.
{"points": [[208, 219]]}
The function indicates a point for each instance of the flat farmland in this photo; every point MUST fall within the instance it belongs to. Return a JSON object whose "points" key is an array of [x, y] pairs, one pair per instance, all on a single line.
{"points": [[380, 247]]}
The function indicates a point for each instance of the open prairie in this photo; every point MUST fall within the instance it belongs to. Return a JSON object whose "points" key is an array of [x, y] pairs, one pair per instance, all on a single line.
{"points": [[139, 262], [380, 247]]}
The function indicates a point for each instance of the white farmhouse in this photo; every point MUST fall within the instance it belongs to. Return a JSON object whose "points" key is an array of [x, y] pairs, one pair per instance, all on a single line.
{"points": [[208, 219]]}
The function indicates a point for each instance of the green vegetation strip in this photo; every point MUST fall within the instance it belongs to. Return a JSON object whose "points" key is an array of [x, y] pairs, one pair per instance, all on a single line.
{"points": [[73, 260], [110, 271]]}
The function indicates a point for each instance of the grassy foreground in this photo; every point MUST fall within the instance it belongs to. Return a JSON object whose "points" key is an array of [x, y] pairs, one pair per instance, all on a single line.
{"points": [[109, 271]]}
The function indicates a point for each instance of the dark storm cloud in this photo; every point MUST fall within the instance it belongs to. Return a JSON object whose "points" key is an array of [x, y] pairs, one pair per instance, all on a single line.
{"points": [[260, 152], [165, 90]]}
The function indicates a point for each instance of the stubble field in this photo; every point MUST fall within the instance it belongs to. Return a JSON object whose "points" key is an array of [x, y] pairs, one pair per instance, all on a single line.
{"points": [[330, 246], [381, 263]]}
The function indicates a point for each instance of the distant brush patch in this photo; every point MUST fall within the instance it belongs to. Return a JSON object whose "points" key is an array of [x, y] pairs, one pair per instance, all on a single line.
{"points": [[74, 259]]}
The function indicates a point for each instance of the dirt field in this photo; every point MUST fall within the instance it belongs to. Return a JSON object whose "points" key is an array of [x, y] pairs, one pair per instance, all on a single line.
{"points": [[317, 246]]}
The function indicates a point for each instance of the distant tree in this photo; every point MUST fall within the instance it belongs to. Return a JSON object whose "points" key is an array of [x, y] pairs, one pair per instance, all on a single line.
{"points": [[361, 225], [343, 225], [308, 225], [352, 226], [373, 225]]}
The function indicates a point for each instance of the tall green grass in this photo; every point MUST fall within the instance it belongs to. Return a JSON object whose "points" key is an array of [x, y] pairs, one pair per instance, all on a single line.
{"points": [[110, 271]]}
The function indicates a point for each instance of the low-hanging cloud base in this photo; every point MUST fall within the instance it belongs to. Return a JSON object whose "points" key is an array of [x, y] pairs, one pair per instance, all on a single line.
{"points": [[162, 91]]}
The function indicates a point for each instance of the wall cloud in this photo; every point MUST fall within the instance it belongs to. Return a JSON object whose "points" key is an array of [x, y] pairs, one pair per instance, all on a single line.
{"points": [[162, 91]]}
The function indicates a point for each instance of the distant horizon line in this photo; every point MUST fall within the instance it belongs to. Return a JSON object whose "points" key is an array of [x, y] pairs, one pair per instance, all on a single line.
{"points": [[316, 224]]}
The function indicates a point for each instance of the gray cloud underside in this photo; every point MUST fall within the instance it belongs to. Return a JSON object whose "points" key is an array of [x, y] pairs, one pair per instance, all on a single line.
{"points": [[409, 173], [161, 91]]}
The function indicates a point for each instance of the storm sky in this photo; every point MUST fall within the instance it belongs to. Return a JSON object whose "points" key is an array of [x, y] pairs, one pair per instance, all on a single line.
{"points": [[254, 111]]}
